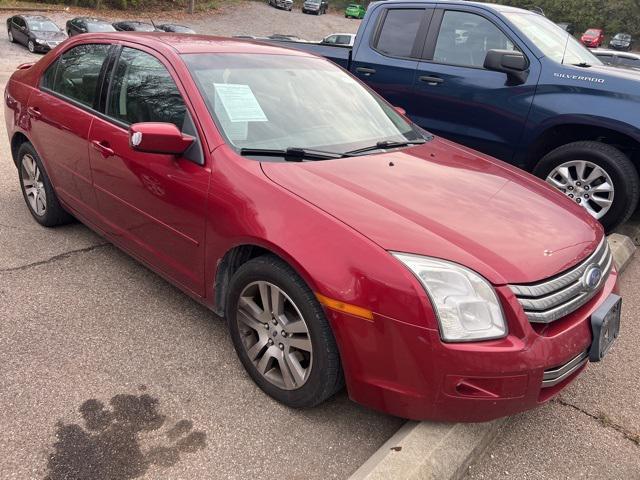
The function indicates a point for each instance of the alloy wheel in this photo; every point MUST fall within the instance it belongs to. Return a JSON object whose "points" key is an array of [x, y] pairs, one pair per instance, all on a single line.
{"points": [[585, 183], [31, 46], [10, 36], [33, 185], [275, 335]]}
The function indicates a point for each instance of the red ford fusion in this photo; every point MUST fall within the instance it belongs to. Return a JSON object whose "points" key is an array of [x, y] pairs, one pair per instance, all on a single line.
{"points": [[342, 243]]}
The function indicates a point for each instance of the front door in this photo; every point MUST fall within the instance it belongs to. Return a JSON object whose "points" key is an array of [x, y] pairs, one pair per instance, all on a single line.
{"points": [[154, 205], [458, 98]]}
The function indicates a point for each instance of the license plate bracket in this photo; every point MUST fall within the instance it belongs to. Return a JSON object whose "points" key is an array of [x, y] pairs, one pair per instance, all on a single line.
{"points": [[605, 325]]}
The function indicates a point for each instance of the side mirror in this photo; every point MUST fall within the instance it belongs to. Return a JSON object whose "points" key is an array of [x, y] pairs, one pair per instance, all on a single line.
{"points": [[156, 137], [511, 62], [401, 111]]}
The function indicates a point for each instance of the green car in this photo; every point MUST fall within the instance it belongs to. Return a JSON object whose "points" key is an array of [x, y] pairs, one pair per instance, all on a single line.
{"points": [[355, 10]]}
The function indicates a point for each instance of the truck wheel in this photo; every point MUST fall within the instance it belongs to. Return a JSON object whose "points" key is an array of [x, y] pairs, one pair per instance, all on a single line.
{"points": [[597, 176], [281, 334]]}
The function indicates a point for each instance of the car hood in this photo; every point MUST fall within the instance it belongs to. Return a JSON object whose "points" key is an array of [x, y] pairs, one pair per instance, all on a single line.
{"points": [[49, 35], [446, 201]]}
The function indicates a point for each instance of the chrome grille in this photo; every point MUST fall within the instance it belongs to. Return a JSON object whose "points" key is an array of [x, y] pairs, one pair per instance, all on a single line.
{"points": [[551, 299]]}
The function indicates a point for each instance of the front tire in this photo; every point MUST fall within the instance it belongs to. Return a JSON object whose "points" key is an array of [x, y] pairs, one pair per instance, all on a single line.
{"points": [[31, 46], [598, 176], [37, 190], [281, 334]]}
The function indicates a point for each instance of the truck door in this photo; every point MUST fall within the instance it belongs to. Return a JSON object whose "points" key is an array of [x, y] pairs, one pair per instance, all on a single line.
{"points": [[458, 98], [395, 41]]}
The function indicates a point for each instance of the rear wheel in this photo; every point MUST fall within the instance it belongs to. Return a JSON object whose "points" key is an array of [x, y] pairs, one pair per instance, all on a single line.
{"points": [[597, 176], [281, 334], [37, 190], [10, 34]]}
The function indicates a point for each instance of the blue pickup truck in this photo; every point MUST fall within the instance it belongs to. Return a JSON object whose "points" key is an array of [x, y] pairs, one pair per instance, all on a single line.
{"points": [[509, 83]]}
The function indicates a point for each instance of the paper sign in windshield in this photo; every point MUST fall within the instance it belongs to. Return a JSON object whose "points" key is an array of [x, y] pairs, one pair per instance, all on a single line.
{"points": [[239, 102]]}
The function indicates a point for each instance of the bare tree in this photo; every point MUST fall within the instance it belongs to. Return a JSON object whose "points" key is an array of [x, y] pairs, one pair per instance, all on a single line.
{"points": [[192, 6]]}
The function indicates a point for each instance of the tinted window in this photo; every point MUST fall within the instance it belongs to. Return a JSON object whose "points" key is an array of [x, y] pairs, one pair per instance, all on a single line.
{"points": [[629, 62], [465, 38], [75, 74], [142, 90], [398, 32], [606, 58], [19, 22]]}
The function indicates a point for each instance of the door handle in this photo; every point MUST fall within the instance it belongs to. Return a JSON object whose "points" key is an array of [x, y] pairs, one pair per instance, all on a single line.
{"points": [[431, 80], [34, 112], [366, 71], [102, 147]]}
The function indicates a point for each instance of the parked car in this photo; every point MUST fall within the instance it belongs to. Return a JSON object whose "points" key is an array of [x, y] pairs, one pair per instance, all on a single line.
{"points": [[171, 27], [344, 39], [134, 26], [355, 10], [315, 6], [593, 38], [79, 25], [567, 27], [616, 58], [329, 230], [282, 4], [38, 33], [621, 41], [515, 86]]}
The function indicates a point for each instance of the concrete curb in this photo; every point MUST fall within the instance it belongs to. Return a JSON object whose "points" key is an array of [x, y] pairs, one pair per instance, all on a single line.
{"points": [[444, 451], [622, 248]]}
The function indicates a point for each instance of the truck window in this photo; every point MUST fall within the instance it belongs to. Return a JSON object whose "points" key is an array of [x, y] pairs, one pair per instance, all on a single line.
{"points": [[398, 32], [465, 38]]}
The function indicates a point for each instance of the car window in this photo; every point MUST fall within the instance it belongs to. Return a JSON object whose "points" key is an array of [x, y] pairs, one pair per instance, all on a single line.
{"points": [[343, 40], [331, 39], [398, 32], [465, 38], [628, 61], [142, 90], [606, 58], [75, 74], [19, 22]]}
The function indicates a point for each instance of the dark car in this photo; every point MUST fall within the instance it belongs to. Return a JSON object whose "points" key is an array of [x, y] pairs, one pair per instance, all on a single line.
{"points": [[282, 4], [38, 33], [567, 27], [134, 26], [621, 41], [171, 27], [79, 25]]}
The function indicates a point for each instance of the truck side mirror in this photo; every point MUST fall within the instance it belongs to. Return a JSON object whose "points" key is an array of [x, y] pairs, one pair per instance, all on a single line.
{"points": [[511, 62]]}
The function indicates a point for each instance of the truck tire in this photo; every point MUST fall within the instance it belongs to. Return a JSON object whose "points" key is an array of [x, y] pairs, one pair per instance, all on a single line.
{"points": [[596, 175]]}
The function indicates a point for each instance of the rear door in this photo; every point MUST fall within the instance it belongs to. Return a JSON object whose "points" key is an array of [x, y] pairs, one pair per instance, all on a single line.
{"points": [[457, 97], [20, 30], [389, 62], [61, 112], [153, 205]]}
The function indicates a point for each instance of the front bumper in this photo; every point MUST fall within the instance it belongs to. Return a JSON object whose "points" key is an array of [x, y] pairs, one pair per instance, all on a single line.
{"points": [[407, 371]]}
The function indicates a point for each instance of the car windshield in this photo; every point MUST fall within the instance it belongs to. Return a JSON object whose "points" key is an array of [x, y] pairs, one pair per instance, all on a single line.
{"points": [[100, 27], [622, 36], [554, 42], [179, 29], [42, 26], [592, 32], [281, 101]]}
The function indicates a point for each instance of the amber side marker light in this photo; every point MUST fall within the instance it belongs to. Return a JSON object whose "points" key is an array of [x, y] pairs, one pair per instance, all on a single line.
{"points": [[345, 307]]}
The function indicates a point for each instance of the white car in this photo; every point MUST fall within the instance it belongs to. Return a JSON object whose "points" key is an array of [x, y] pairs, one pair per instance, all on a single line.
{"points": [[342, 39], [617, 58]]}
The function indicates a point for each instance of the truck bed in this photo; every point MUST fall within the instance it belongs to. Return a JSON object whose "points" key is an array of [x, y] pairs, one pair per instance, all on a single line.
{"points": [[337, 54]]}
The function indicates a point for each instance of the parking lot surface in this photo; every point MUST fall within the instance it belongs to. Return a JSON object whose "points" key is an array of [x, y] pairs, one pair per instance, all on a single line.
{"points": [[104, 363]]}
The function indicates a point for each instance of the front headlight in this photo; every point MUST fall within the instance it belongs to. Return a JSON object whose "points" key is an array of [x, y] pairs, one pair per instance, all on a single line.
{"points": [[465, 303]]}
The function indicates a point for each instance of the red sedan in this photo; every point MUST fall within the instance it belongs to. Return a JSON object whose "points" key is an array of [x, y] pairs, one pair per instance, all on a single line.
{"points": [[342, 243], [593, 38]]}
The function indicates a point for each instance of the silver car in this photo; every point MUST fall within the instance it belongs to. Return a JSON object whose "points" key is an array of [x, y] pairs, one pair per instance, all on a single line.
{"points": [[315, 6], [283, 4]]}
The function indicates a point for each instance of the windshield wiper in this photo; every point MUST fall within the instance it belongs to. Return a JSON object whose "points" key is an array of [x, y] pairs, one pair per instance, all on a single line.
{"points": [[581, 64], [384, 144], [291, 154]]}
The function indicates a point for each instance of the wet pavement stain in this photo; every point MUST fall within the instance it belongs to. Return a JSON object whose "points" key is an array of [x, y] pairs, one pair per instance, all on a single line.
{"points": [[108, 447]]}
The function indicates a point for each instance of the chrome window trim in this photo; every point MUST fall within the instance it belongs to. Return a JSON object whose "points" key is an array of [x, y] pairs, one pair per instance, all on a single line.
{"points": [[554, 376]]}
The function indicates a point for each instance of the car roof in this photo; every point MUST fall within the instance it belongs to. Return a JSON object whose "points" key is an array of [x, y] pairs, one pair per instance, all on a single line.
{"points": [[190, 43], [34, 17], [92, 19]]}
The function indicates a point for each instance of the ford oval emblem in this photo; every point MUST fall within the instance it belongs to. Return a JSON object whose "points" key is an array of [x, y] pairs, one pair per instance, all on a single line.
{"points": [[591, 278]]}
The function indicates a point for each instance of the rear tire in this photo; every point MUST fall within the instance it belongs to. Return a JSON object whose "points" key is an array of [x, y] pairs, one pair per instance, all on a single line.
{"points": [[10, 34], [299, 377], [37, 190], [614, 163]]}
